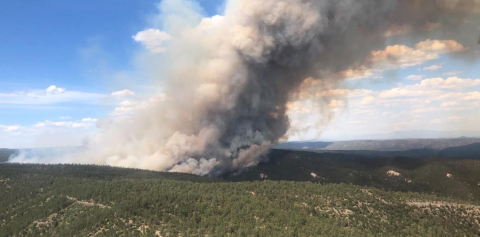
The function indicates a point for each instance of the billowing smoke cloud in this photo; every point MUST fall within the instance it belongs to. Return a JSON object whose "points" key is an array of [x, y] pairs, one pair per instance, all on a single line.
{"points": [[232, 76]]}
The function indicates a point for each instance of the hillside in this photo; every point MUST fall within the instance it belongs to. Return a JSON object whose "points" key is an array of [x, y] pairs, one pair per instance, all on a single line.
{"points": [[67, 200], [417, 175], [5, 154], [471, 151]]}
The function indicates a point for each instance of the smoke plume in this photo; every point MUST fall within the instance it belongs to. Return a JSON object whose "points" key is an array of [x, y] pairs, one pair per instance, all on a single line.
{"points": [[231, 77]]}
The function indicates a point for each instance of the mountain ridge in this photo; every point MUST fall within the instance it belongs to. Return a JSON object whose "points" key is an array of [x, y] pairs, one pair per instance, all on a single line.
{"points": [[381, 145]]}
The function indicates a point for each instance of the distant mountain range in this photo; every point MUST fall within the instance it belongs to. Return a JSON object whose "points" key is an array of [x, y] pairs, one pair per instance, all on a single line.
{"points": [[381, 145], [410, 134], [471, 151]]}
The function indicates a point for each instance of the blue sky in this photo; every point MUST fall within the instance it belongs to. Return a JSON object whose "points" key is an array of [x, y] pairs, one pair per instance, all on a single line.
{"points": [[74, 45], [86, 51], [49, 43]]}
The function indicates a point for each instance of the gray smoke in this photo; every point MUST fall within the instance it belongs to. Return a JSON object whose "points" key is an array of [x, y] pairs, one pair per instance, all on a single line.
{"points": [[231, 77]]}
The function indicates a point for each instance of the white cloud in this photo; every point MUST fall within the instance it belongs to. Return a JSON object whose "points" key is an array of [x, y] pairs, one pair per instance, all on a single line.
{"points": [[337, 104], [404, 92], [63, 124], [449, 83], [414, 77], [425, 110], [427, 104], [65, 117], [455, 118], [89, 120], [6, 128], [359, 93], [440, 46], [153, 39], [402, 56], [472, 96], [54, 90], [452, 73], [80, 125], [368, 100], [450, 95], [399, 56], [352, 74], [45, 134], [449, 104], [433, 89], [433, 67], [41, 97], [128, 103], [123, 93]]}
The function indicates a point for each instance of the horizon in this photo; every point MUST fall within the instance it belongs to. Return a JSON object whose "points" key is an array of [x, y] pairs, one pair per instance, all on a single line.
{"points": [[283, 142]]}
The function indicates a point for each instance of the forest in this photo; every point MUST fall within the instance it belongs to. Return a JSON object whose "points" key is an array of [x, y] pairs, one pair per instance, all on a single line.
{"points": [[438, 176], [85, 200]]}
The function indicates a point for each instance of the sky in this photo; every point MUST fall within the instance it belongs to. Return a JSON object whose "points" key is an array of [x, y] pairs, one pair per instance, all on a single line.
{"points": [[67, 67]]}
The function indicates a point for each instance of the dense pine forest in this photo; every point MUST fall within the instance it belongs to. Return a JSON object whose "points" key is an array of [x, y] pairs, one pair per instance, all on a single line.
{"points": [[438, 176], [77, 200]]}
